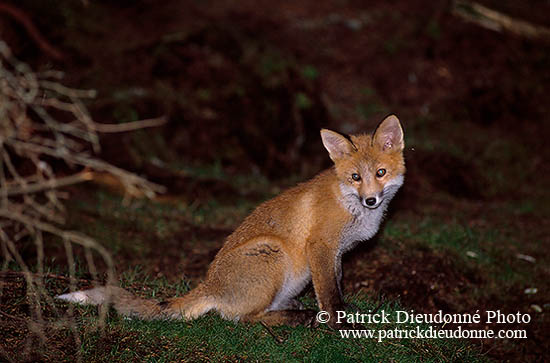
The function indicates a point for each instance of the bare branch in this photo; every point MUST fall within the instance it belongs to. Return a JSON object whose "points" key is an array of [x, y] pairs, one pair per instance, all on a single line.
{"points": [[35, 187], [50, 228], [22, 18], [41, 120], [129, 126], [497, 21]]}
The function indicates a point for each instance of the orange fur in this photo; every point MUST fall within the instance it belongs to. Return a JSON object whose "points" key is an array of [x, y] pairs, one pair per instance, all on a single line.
{"points": [[296, 237]]}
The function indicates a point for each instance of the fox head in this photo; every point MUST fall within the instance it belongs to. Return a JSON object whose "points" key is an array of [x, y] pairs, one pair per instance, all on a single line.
{"points": [[370, 168]]}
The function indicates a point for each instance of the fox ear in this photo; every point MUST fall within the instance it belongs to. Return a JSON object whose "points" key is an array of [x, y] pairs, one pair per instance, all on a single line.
{"points": [[337, 145], [388, 135]]}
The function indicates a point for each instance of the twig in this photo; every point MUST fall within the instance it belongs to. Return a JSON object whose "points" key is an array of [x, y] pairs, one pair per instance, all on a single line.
{"points": [[132, 182], [277, 338], [35, 187], [59, 88], [13, 317], [34, 33], [129, 126], [73, 236], [19, 274], [497, 21], [46, 211]]}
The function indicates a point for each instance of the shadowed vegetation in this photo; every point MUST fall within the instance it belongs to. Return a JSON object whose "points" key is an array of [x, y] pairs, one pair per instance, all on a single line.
{"points": [[245, 89]]}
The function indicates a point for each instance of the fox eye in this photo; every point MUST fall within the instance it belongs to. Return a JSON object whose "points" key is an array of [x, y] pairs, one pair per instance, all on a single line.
{"points": [[380, 172], [356, 176]]}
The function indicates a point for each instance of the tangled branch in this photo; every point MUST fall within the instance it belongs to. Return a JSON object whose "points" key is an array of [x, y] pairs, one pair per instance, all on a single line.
{"points": [[47, 141]]}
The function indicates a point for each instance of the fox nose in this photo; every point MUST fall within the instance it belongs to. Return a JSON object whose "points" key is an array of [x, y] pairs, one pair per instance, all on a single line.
{"points": [[369, 202]]}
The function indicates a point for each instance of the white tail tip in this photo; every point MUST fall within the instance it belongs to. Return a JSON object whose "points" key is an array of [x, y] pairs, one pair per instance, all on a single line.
{"points": [[94, 296], [79, 297]]}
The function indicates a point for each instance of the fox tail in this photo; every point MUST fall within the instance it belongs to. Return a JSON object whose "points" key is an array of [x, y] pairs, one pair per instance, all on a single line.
{"points": [[192, 305]]}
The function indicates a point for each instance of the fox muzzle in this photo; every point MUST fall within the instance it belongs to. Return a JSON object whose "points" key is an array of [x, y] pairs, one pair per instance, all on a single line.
{"points": [[371, 202]]}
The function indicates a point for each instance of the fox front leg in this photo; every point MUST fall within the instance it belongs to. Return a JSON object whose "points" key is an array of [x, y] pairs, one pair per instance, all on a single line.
{"points": [[325, 280]]}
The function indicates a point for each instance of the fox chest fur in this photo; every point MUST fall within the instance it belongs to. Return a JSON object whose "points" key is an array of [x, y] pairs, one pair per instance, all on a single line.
{"points": [[364, 223]]}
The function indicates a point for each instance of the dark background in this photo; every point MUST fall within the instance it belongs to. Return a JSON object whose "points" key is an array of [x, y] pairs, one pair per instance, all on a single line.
{"points": [[247, 85]]}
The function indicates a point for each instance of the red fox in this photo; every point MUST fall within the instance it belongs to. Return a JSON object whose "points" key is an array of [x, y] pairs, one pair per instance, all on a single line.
{"points": [[290, 240]]}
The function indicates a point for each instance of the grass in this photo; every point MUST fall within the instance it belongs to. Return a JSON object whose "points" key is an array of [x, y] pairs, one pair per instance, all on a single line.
{"points": [[153, 226], [211, 338], [484, 249], [475, 249], [144, 232]]}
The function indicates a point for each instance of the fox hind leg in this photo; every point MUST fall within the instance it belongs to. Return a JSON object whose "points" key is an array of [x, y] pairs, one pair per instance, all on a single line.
{"points": [[291, 318], [292, 304], [248, 278]]}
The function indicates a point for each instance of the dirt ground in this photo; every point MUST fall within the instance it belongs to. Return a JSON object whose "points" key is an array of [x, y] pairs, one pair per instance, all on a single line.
{"points": [[216, 68]]}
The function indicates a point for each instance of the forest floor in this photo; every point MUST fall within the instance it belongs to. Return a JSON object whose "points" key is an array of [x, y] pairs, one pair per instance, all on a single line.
{"points": [[246, 88]]}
